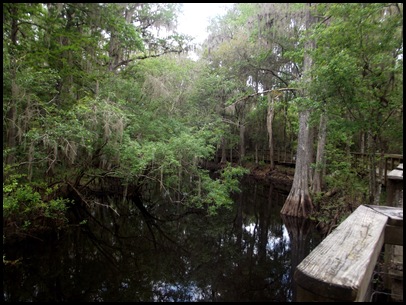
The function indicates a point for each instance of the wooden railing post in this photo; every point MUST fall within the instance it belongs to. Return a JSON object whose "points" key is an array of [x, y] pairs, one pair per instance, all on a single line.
{"points": [[394, 253], [340, 268], [394, 187]]}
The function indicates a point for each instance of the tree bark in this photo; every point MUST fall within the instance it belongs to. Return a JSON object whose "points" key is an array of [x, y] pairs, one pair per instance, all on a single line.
{"points": [[299, 202], [310, 155], [242, 140], [269, 122], [11, 116], [256, 153], [362, 142], [374, 189], [223, 150], [320, 160]]}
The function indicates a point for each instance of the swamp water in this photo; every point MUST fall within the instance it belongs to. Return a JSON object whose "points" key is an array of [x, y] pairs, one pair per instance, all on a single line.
{"points": [[246, 253]]}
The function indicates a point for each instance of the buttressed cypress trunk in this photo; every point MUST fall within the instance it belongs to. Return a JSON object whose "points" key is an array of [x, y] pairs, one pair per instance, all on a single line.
{"points": [[299, 202]]}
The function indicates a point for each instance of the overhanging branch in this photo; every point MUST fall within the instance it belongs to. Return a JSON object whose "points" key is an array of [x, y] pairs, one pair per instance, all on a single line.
{"points": [[127, 61], [263, 92]]}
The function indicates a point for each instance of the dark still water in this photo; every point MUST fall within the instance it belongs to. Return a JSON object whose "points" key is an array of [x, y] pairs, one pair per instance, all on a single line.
{"points": [[246, 253]]}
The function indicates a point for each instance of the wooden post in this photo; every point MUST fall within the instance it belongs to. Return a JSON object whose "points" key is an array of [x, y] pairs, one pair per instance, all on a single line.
{"points": [[394, 252], [341, 266], [394, 188]]}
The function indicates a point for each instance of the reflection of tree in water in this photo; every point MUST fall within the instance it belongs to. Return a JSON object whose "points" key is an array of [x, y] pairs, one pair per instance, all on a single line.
{"points": [[242, 254], [250, 262], [302, 241]]}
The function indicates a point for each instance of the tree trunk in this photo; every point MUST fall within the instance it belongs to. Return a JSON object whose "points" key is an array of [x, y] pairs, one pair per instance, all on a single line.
{"points": [[374, 189], [269, 121], [299, 202], [11, 116], [310, 155], [242, 141], [362, 142], [256, 153], [320, 161], [223, 151]]}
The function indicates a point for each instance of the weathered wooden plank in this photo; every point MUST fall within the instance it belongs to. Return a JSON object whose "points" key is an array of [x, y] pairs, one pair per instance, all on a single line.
{"points": [[395, 214], [394, 225], [397, 173], [341, 266]]}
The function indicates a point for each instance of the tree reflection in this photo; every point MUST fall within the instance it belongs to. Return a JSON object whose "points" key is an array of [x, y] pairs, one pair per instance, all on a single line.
{"points": [[242, 254], [301, 241]]}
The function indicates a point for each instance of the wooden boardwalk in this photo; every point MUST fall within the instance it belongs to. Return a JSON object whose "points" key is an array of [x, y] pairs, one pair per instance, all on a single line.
{"points": [[341, 266], [287, 157], [386, 165]]}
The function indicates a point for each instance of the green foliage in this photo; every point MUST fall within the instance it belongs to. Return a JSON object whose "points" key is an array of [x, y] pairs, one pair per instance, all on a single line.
{"points": [[359, 70], [332, 212], [218, 191], [78, 101], [229, 175], [24, 205], [127, 34], [343, 176], [216, 196]]}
